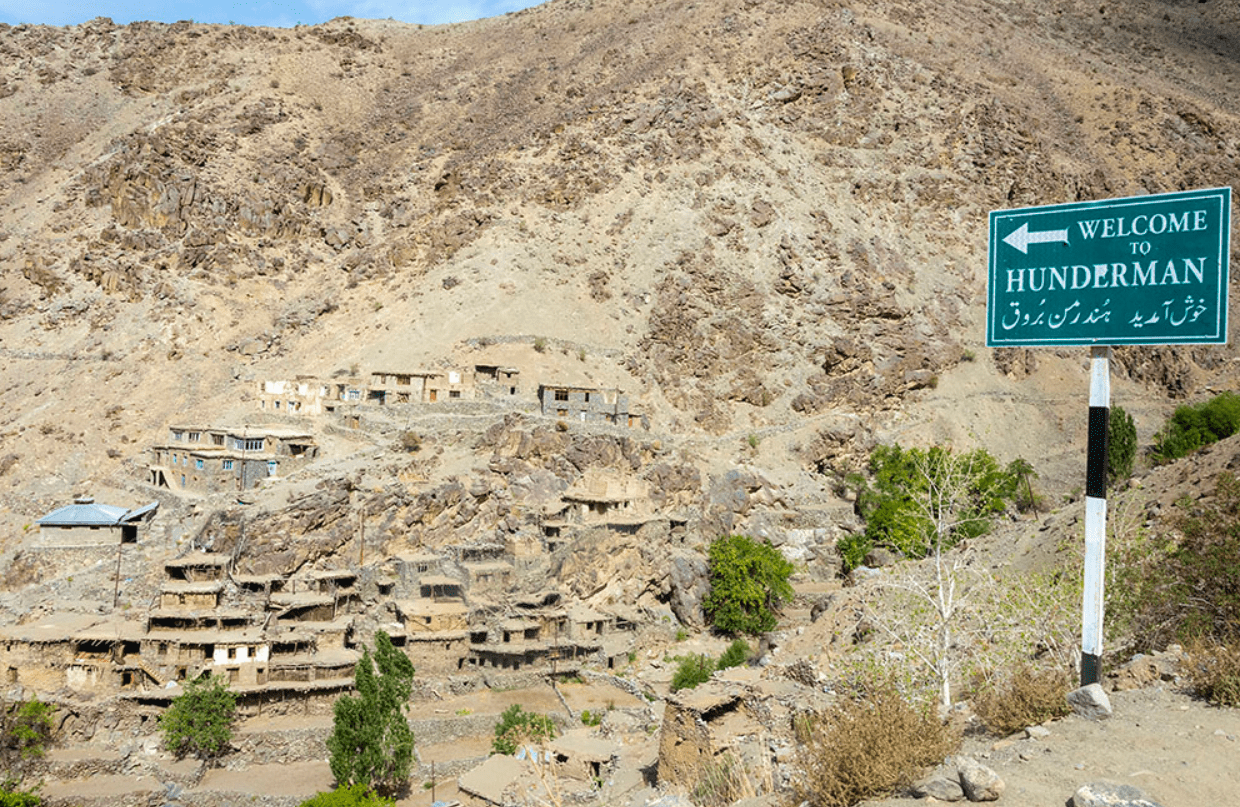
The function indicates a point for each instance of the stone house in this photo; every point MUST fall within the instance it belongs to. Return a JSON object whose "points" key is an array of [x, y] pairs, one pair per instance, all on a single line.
{"points": [[601, 498], [303, 396], [589, 405], [85, 652], [493, 381], [221, 460], [183, 595], [86, 523], [435, 634], [580, 754], [419, 386]]}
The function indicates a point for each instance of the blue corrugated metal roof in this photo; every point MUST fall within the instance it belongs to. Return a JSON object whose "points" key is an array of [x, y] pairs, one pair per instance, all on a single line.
{"points": [[93, 515]]}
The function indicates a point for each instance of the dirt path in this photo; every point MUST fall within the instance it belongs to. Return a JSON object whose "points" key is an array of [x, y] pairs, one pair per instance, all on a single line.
{"points": [[1181, 752]]}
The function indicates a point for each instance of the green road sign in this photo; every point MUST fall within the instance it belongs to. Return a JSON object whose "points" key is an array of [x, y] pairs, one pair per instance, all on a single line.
{"points": [[1147, 270]]}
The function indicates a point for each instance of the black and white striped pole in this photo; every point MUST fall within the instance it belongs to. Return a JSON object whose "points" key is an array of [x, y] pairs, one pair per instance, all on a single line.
{"points": [[1095, 512]]}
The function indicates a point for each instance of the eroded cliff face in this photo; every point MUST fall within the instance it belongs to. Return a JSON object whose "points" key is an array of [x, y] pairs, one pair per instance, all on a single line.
{"points": [[764, 220]]}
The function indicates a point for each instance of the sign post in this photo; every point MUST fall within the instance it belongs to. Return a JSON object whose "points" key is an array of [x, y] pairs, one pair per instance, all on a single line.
{"points": [[1144, 270]]}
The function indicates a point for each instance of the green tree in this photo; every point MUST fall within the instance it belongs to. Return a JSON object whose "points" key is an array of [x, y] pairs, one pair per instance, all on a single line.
{"points": [[1121, 445], [371, 743], [748, 582], [1022, 475], [349, 796], [890, 504], [516, 726], [200, 719]]}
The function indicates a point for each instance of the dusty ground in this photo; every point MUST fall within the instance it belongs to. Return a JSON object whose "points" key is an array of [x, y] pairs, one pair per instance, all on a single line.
{"points": [[1181, 752]]}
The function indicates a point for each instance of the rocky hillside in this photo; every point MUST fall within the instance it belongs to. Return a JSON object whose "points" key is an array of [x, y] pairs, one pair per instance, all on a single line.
{"points": [[764, 220]]}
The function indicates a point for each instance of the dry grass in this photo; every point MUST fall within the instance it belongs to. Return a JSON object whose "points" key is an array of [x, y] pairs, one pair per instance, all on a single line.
{"points": [[870, 744], [1213, 672], [1024, 696]]}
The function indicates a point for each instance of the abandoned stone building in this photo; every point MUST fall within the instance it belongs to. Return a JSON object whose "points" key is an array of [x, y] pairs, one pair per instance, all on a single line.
{"points": [[87, 523], [419, 386], [601, 500], [493, 381], [220, 459], [304, 395]]}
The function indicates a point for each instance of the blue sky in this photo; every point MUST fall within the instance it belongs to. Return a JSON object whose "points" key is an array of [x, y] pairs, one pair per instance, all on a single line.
{"points": [[282, 13]]}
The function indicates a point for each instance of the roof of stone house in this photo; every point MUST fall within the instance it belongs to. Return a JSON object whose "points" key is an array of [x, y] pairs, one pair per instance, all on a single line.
{"points": [[329, 657], [707, 697], [54, 627], [330, 574], [430, 607], [489, 780], [243, 636], [488, 566], [267, 430], [252, 579], [302, 599], [308, 628], [580, 612], [438, 580], [214, 614], [435, 635], [188, 587], [87, 513], [584, 745], [519, 624], [616, 643], [203, 559], [418, 557]]}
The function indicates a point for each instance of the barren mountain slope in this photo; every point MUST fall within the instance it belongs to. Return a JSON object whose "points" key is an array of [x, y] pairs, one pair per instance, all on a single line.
{"points": [[747, 214]]}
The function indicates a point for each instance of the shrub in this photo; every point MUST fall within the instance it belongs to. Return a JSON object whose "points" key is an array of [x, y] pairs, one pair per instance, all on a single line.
{"points": [[1121, 445], [1024, 696], [11, 795], [371, 743], [349, 796], [748, 582], [736, 654], [517, 726], [589, 718], [200, 719], [723, 782], [1213, 672], [1184, 585], [692, 670], [868, 745], [410, 441], [540, 345], [1194, 426], [25, 730]]}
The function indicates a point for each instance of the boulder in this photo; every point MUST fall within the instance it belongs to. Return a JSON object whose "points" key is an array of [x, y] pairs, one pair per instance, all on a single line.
{"points": [[939, 787], [979, 782], [1105, 794], [1090, 702]]}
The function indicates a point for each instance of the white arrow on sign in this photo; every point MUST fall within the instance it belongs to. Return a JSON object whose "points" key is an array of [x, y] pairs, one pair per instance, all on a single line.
{"points": [[1022, 238]]}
